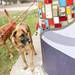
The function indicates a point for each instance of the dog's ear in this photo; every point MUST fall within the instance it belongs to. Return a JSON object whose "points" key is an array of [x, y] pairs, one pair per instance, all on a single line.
{"points": [[13, 37], [22, 30], [14, 34]]}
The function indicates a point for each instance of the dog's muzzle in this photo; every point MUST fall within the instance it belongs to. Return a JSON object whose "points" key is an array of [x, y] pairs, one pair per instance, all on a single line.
{"points": [[24, 39]]}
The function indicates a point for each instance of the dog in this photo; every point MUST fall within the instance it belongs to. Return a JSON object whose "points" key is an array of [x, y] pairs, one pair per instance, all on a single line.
{"points": [[22, 40]]}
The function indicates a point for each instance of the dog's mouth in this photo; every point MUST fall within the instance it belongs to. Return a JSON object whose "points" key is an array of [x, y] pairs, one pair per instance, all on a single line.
{"points": [[24, 39]]}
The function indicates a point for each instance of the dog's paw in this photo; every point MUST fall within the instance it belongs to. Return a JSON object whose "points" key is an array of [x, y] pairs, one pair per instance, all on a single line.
{"points": [[26, 53], [35, 53], [26, 67], [32, 67]]}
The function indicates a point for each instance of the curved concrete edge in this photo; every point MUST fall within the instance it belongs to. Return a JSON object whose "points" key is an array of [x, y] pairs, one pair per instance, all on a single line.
{"points": [[63, 40], [56, 62], [60, 39], [69, 31]]}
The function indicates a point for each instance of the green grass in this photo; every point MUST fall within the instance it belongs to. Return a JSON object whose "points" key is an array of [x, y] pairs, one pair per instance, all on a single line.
{"points": [[5, 63]]}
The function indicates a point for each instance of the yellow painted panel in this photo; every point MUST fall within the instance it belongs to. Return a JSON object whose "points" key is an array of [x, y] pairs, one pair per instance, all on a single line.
{"points": [[68, 10], [40, 4]]}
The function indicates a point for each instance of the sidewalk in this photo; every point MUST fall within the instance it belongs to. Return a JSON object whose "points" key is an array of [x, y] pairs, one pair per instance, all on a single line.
{"points": [[18, 7]]}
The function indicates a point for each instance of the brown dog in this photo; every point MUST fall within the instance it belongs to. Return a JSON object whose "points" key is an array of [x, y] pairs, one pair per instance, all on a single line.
{"points": [[21, 37]]}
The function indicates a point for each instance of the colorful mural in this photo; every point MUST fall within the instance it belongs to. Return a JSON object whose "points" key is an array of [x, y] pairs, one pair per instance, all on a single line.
{"points": [[55, 14]]}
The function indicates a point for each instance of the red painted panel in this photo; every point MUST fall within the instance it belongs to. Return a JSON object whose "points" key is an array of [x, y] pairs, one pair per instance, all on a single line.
{"points": [[37, 26], [73, 15], [47, 1], [43, 26], [69, 2], [43, 15], [51, 22], [58, 25], [63, 18]]}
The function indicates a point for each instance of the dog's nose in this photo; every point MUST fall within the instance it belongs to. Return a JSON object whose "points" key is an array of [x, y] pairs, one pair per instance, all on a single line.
{"points": [[24, 39]]}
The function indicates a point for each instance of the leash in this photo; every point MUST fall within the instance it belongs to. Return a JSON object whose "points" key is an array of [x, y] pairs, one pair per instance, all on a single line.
{"points": [[24, 14]]}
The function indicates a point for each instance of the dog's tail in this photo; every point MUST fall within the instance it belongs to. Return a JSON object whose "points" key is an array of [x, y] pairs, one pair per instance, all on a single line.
{"points": [[8, 15]]}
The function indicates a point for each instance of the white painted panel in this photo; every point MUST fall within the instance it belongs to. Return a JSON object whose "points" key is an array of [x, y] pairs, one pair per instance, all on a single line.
{"points": [[56, 20], [48, 8]]}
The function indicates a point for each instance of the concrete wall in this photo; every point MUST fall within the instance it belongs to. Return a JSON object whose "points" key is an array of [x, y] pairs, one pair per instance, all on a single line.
{"points": [[25, 0], [13, 1]]}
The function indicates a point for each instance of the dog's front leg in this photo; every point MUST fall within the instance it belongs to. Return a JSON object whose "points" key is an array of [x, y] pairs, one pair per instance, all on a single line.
{"points": [[33, 49], [24, 59], [31, 57]]}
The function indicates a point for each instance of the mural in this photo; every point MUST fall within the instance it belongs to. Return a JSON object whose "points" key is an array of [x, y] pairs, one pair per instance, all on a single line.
{"points": [[55, 14]]}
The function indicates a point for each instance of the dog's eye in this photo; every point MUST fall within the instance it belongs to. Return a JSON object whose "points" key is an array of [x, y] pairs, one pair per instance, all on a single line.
{"points": [[14, 33], [22, 35]]}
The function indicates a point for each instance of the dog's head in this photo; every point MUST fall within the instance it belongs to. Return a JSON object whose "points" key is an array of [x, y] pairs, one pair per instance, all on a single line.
{"points": [[21, 36]]}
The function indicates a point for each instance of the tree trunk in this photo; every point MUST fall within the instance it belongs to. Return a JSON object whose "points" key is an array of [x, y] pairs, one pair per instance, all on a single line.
{"points": [[18, 1], [1, 2]]}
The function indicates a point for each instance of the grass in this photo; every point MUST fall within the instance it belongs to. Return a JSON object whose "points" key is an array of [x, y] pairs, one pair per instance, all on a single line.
{"points": [[5, 63]]}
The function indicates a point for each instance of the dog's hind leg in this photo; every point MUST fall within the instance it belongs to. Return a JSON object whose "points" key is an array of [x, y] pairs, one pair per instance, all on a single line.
{"points": [[11, 46], [9, 51]]}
